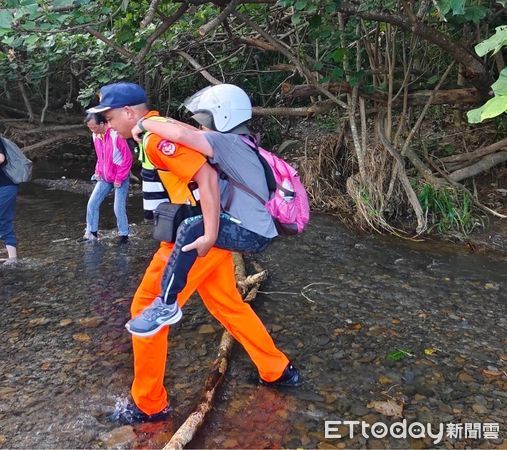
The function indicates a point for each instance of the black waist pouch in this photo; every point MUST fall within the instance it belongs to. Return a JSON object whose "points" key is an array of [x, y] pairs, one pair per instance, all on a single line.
{"points": [[167, 218]]}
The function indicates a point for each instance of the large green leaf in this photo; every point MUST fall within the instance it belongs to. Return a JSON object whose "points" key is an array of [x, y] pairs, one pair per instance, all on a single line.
{"points": [[337, 55], [475, 13], [474, 115], [494, 43], [63, 3], [494, 107], [5, 18], [458, 7], [300, 5], [500, 86], [444, 6]]}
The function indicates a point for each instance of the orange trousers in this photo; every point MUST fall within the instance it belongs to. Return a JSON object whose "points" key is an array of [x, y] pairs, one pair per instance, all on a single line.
{"points": [[213, 278]]}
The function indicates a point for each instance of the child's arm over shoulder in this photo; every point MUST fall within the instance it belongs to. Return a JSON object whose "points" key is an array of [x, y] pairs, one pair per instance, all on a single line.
{"points": [[178, 132]]}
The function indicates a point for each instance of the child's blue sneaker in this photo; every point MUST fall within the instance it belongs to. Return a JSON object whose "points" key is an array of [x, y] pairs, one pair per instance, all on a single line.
{"points": [[153, 318]]}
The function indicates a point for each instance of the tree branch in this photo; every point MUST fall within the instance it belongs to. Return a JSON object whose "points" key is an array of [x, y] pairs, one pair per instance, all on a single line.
{"points": [[159, 31], [479, 153], [402, 175], [486, 163], [463, 96], [282, 48], [476, 71], [152, 9], [185, 433], [305, 111], [52, 129], [199, 68], [121, 50], [26, 100], [212, 24], [257, 43]]}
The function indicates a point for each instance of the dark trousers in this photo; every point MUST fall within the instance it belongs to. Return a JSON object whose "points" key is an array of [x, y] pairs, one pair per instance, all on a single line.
{"points": [[7, 212], [230, 237]]}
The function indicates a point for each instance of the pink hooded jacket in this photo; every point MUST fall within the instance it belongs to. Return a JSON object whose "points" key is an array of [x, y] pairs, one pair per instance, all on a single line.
{"points": [[114, 158]]}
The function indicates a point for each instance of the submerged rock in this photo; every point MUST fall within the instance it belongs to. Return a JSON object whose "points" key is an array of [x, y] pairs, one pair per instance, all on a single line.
{"points": [[118, 437]]}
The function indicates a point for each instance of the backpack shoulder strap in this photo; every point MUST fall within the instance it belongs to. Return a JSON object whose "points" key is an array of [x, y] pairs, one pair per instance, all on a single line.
{"points": [[241, 186], [252, 142]]}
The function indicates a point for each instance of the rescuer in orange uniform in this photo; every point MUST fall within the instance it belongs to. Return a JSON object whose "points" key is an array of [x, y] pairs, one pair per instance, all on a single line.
{"points": [[124, 104]]}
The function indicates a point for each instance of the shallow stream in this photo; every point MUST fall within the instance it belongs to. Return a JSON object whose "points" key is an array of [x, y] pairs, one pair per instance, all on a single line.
{"points": [[365, 318]]}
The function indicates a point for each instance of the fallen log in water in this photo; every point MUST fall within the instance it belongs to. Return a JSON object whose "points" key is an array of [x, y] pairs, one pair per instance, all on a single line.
{"points": [[187, 430]]}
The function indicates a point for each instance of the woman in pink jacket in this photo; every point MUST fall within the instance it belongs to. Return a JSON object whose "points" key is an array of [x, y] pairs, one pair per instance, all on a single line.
{"points": [[114, 161]]}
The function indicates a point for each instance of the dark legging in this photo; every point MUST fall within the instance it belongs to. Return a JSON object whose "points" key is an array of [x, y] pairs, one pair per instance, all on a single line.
{"points": [[230, 237]]}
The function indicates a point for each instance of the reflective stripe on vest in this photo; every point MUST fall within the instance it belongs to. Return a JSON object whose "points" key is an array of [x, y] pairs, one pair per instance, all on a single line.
{"points": [[153, 186], [160, 185], [150, 205], [154, 191]]}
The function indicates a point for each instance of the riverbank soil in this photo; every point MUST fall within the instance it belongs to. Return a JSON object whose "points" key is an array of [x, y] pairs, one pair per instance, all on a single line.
{"points": [[492, 189]]}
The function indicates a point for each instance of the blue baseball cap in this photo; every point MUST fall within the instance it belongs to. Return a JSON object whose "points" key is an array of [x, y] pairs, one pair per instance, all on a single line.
{"points": [[118, 95]]}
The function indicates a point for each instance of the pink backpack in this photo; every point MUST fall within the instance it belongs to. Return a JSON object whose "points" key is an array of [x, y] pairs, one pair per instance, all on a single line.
{"points": [[288, 203]]}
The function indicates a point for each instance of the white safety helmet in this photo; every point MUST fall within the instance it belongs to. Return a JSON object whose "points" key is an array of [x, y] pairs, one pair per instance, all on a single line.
{"points": [[226, 104]]}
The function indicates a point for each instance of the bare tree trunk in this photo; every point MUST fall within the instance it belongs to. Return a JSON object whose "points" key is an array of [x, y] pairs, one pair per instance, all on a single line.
{"points": [[479, 153], [475, 71], [484, 164], [402, 175], [46, 103], [26, 100]]}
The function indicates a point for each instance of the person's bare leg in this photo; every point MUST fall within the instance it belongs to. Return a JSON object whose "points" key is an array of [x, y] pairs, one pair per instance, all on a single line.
{"points": [[12, 254]]}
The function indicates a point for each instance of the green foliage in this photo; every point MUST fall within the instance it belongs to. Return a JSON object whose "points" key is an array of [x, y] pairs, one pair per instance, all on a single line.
{"points": [[327, 122], [447, 209], [448, 149], [398, 355], [461, 10], [323, 29], [457, 7], [493, 44], [498, 104]]}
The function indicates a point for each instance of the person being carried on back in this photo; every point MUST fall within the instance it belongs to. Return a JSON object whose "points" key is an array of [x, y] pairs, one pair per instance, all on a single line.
{"points": [[246, 222]]}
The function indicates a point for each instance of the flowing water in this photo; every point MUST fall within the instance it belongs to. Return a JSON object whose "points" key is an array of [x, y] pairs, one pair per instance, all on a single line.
{"points": [[365, 319]]}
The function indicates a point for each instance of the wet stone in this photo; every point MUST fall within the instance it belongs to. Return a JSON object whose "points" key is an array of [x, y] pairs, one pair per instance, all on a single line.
{"points": [[323, 340], [81, 337], [325, 445], [119, 436], [418, 398], [359, 410], [316, 359], [479, 409], [90, 322], [206, 329], [466, 378], [230, 443], [38, 321], [310, 396], [399, 306]]}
